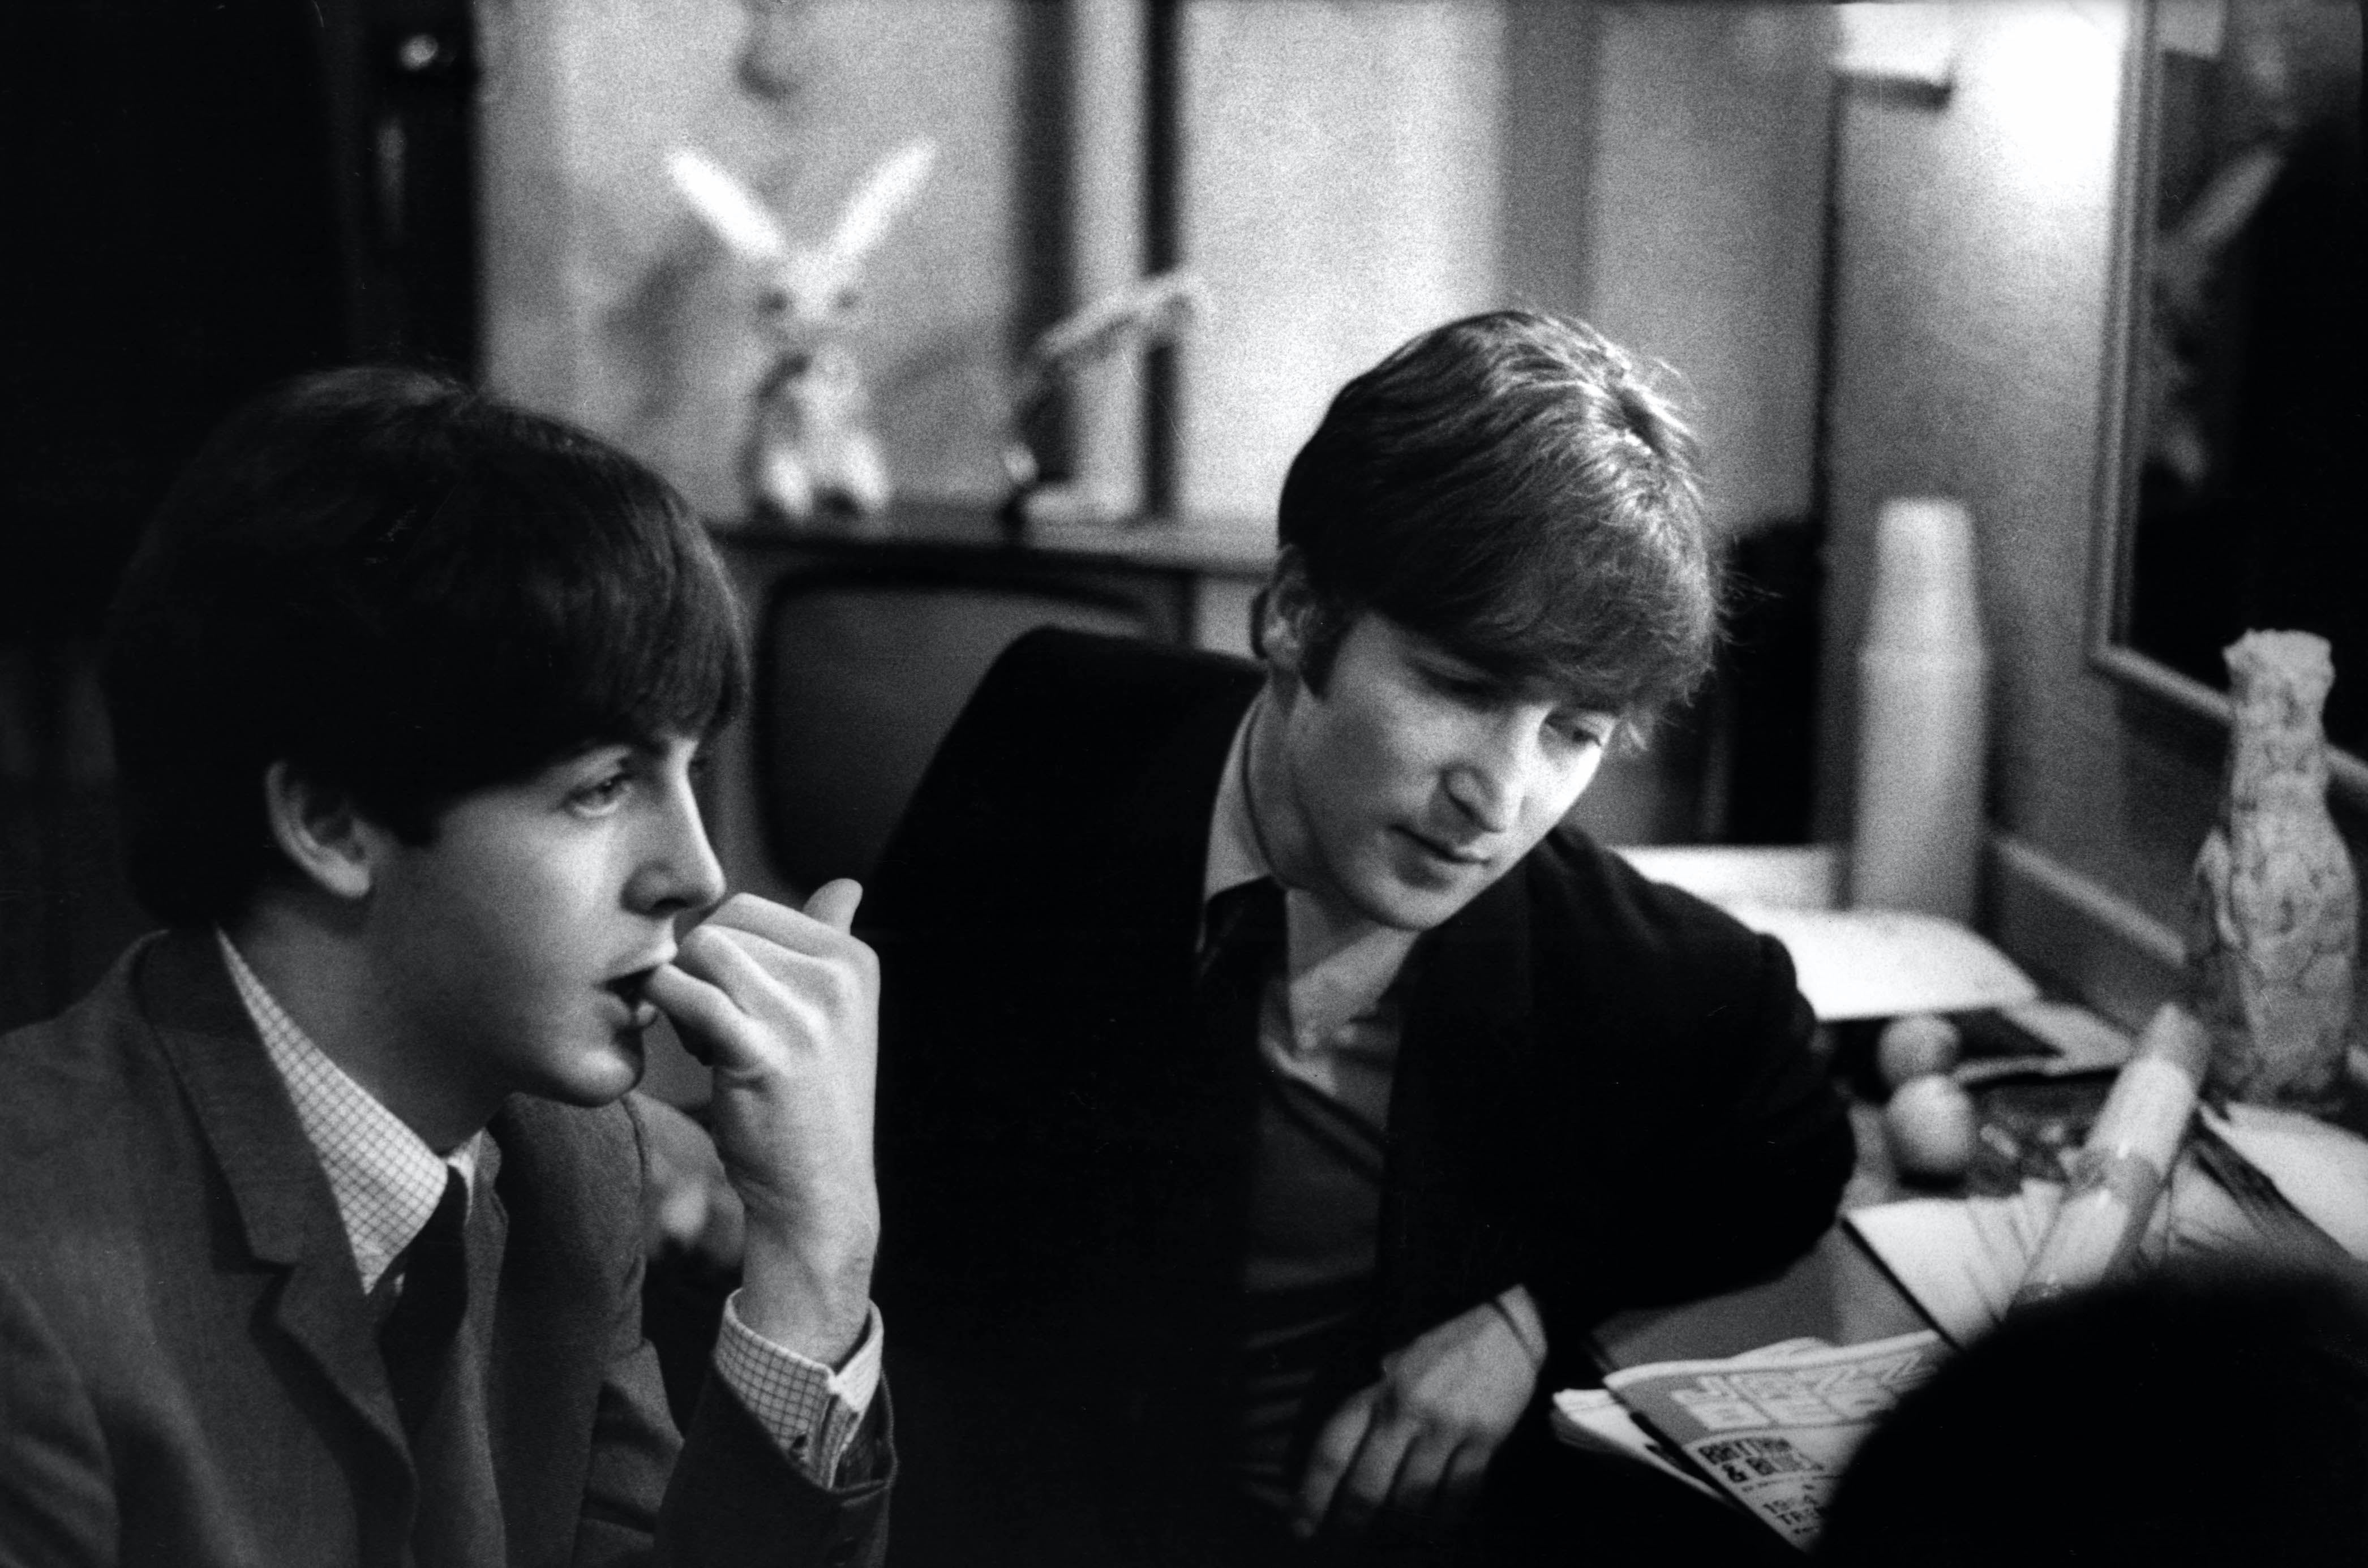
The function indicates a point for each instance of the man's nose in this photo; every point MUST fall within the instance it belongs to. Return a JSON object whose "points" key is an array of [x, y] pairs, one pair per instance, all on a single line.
{"points": [[1490, 778], [679, 869]]}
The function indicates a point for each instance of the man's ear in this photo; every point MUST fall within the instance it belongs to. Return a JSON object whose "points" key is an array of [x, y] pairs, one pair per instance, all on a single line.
{"points": [[321, 833], [1286, 616]]}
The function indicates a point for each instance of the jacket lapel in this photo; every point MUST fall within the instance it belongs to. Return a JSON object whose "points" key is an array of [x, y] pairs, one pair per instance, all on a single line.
{"points": [[1140, 921], [1159, 850], [1153, 875], [1181, 1102], [1475, 973], [1450, 1189], [286, 1211]]}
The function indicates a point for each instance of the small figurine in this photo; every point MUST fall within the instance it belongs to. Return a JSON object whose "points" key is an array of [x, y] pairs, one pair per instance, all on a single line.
{"points": [[2274, 922], [811, 451], [1145, 313]]}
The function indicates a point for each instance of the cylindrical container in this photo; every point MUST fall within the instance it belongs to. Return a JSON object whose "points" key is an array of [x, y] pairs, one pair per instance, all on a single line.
{"points": [[2120, 1168], [1922, 717]]}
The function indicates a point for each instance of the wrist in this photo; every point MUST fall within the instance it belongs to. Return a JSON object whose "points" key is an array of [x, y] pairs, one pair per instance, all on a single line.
{"points": [[811, 1295]]}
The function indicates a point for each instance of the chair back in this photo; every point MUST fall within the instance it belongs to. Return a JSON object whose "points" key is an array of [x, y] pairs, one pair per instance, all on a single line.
{"points": [[858, 677]]}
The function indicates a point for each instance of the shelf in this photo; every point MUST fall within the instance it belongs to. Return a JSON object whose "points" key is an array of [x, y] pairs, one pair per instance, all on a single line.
{"points": [[921, 529]]}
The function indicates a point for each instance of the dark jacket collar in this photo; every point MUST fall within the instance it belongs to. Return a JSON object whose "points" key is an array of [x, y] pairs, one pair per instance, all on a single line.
{"points": [[1480, 957], [1454, 1140], [285, 1208], [283, 1198], [1162, 844]]}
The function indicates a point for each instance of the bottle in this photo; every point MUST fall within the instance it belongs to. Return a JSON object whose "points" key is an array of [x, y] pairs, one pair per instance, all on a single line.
{"points": [[2274, 924], [1923, 716]]}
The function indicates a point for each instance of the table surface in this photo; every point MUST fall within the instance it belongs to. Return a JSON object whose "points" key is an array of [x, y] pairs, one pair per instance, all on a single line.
{"points": [[1837, 1291]]}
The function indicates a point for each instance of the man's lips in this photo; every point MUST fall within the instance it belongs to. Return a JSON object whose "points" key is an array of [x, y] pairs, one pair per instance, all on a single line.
{"points": [[630, 988], [1454, 855]]}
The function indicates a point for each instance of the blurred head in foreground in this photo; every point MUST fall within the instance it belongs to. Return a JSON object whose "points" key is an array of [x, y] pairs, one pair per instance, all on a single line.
{"points": [[2182, 1417]]}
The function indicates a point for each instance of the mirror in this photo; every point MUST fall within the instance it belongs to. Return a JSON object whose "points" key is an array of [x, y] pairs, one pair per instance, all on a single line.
{"points": [[2231, 494]]}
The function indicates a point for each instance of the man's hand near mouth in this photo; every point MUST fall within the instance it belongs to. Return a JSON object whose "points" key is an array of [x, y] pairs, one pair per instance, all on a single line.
{"points": [[784, 1006]]}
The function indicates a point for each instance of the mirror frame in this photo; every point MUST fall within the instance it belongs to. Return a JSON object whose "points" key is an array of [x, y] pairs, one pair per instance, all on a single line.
{"points": [[2113, 530]]}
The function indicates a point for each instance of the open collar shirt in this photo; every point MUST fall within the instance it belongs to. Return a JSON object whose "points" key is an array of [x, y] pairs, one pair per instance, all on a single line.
{"points": [[1332, 1020], [1332, 1023]]}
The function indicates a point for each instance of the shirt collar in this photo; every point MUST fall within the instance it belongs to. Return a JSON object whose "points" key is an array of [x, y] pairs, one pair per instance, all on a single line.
{"points": [[386, 1180], [1234, 856], [1338, 969]]}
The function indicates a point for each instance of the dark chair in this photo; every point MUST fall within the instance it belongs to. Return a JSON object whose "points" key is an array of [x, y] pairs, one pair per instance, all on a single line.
{"points": [[858, 677]]}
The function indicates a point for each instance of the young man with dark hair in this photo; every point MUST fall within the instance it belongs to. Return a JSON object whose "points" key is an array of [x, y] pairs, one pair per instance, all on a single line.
{"points": [[324, 1229], [1272, 1096]]}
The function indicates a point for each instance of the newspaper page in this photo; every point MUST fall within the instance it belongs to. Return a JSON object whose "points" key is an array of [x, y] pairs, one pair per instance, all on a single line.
{"points": [[1594, 1420], [1775, 1431]]}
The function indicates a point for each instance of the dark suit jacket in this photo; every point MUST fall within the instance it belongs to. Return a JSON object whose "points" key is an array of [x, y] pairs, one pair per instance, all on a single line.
{"points": [[188, 1371], [1602, 1092]]}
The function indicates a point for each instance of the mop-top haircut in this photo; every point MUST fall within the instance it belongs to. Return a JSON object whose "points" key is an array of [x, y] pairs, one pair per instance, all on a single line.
{"points": [[407, 591], [1510, 486]]}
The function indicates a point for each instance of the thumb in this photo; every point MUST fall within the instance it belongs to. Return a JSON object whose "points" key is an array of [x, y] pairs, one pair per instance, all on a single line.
{"points": [[833, 903]]}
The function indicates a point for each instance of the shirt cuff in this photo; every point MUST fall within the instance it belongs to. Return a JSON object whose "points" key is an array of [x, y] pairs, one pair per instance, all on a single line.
{"points": [[810, 1412]]}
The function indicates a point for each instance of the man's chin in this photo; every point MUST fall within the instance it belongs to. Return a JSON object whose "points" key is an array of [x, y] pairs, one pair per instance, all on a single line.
{"points": [[601, 1076], [1394, 902]]}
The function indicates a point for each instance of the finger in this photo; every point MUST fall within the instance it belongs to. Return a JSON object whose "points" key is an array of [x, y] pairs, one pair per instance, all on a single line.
{"points": [[699, 1010], [785, 927], [1467, 1471], [1328, 1461], [772, 982], [710, 991], [833, 903], [1414, 1490], [682, 1213], [733, 958], [1367, 1487]]}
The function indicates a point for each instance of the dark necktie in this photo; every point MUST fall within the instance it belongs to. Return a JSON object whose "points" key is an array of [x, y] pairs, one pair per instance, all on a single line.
{"points": [[416, 1337], [1244, 952], [1246, 940]]}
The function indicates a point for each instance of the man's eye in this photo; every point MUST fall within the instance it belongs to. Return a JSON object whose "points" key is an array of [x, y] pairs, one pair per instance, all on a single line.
{"points": [[601, 794], [1469, 690], [1580, 731]]}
